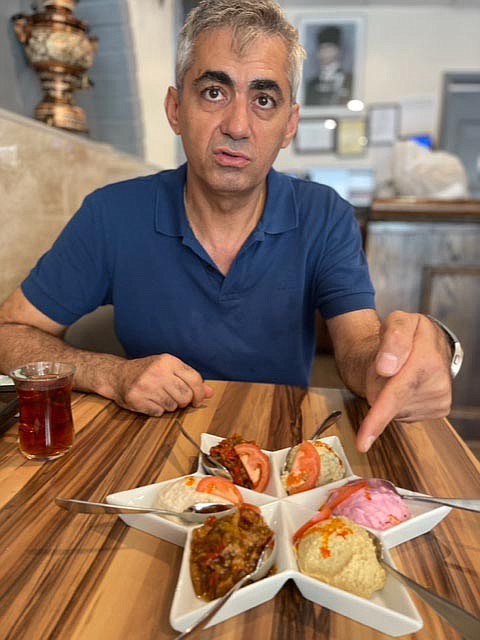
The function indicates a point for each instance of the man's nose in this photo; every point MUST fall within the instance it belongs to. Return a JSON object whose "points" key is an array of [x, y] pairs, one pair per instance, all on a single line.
{"points": [[236, 120]]}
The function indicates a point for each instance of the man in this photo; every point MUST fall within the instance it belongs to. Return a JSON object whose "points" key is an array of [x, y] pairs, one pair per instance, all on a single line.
{"points": [[332, 85], [215, 269]]}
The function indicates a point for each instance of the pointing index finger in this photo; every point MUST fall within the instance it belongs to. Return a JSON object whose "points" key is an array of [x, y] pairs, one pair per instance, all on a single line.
{"points": [[387, 405]]}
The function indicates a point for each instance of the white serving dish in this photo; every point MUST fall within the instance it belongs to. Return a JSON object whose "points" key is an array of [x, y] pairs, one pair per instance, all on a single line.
{"points": [[424, 515], [159, 526], [390, 610]]}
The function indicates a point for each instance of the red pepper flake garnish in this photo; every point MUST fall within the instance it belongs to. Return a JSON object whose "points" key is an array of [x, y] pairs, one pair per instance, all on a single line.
{"points": [[326, 529], [393, 519]]}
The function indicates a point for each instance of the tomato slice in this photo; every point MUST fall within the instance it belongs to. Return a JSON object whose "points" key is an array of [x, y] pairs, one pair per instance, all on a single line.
{"points": [[305, 469], [220, 487], [321, 515], [337, 496], [256, 464]]}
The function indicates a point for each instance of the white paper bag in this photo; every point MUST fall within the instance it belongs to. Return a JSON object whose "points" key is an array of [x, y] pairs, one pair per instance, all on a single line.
{"points": [[417, 171]]}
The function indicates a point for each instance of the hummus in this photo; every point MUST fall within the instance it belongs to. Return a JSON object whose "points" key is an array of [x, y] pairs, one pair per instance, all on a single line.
{"points": [[341, 553]]}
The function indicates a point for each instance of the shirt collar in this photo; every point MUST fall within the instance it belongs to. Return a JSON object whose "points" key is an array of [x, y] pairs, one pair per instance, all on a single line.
{"points": [[280, 213]]}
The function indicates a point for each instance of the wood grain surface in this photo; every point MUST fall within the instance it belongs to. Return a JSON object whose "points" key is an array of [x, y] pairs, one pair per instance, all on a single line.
{"points": [[84, 577]]}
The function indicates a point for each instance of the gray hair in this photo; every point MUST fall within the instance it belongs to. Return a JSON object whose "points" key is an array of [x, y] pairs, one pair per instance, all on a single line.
{"points": [[248, 19]]}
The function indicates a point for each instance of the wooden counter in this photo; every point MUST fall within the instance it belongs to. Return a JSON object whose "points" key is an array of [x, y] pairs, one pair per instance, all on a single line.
{"points": [[413, 209], [77, 577]]}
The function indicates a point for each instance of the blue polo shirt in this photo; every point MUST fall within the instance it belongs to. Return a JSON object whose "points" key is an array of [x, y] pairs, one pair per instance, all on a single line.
{"points": [[130, 245]]}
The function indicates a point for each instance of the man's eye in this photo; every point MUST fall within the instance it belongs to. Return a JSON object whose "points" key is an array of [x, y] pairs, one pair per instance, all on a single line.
{"points": [[266, 102], [213, 94]]}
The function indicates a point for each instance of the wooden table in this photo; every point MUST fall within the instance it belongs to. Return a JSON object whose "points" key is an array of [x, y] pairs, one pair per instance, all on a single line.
{"points": [[78, 577]]}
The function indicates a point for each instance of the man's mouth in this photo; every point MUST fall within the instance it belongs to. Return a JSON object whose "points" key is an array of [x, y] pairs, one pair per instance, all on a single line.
{"points": [[228, 158]]}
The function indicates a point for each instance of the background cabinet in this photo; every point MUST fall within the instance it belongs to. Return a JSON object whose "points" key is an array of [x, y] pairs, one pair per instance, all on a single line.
{"points": [[425, 256]]}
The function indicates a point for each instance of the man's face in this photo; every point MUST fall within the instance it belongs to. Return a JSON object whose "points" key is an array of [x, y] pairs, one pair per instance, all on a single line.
{"points": [[328, 52], [235, 112]]}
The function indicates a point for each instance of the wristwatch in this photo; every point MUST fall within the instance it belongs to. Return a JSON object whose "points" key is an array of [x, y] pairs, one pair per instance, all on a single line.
{"points": [[455, 346]]}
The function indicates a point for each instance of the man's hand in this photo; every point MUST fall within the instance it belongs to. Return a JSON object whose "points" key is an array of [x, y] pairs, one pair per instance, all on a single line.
{"points": [[157, 384], [148, 385], [409, 379]]}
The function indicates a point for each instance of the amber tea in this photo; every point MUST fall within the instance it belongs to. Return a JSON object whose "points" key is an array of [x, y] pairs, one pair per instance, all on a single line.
{"points": [[46, 426]]}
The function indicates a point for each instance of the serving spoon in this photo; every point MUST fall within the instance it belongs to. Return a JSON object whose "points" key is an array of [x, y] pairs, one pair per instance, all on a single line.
{"points": [[263, 566], [197, 513], [329, 421], [211, 466], [455, 503], [465, 623]]}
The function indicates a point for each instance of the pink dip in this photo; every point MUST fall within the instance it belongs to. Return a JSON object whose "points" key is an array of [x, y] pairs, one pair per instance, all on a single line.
{"points": [[377, 508]]}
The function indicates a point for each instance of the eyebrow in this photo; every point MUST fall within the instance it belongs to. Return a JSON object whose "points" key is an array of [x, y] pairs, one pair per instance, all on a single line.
{"points": [[259, 84], [216, 76], [266, 85]]}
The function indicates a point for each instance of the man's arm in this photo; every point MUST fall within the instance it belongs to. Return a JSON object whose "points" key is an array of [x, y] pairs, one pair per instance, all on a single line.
{"points": [[150, 385], [401, 366]]}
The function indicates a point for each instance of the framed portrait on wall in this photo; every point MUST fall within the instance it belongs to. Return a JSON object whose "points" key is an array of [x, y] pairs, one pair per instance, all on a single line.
{"points": [[333, 70]]}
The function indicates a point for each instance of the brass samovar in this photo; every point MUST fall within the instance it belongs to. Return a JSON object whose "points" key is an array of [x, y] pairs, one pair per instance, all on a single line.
{"points": [[58, 47]]}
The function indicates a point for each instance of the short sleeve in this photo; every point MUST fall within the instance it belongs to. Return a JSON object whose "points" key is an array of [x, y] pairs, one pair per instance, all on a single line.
{"points": [[342, 279], [74, 276]]}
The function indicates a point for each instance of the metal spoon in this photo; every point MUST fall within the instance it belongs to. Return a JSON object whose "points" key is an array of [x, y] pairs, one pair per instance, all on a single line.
{"points": [[197, 513], [456, 503], [211, 466], [467, 625], [263, 566], [329, 421]]}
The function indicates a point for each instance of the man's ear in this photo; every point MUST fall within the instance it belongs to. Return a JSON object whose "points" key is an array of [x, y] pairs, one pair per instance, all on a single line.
{"points": [[291, 126], [171, 109]]}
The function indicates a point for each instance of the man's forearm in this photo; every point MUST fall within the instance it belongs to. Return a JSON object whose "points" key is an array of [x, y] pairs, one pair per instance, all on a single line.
{"points": [[20, 344], [356, 339]]}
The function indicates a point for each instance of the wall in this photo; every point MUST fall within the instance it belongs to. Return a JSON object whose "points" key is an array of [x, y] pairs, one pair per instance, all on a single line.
{"points": [[112, 105], [19, 86], [407, 51], [152, 25]]}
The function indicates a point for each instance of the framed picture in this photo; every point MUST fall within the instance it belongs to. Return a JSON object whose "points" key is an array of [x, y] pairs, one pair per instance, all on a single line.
{"points": [[383, 124], [333, 70], [351, 139], [315, 135]]}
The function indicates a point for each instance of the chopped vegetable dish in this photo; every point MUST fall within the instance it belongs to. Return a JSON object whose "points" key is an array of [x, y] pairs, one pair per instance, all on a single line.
{"points": [[226, 549]]}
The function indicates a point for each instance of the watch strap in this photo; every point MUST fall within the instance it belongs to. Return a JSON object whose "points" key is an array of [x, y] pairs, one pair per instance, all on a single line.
{"points": [[456, 347]]}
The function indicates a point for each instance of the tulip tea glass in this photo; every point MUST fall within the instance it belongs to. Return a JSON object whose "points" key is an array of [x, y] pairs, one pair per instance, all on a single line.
{"points": [[45, 426]]}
